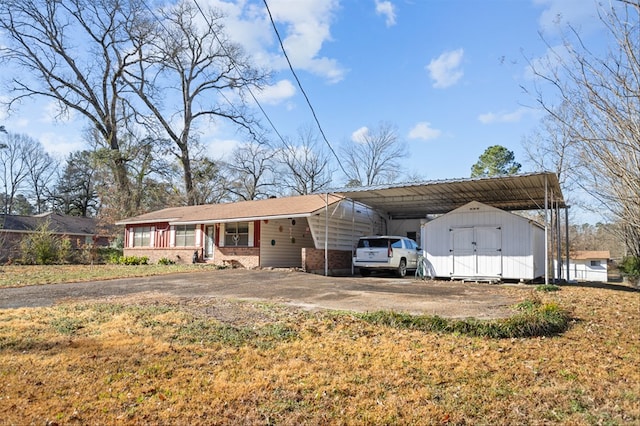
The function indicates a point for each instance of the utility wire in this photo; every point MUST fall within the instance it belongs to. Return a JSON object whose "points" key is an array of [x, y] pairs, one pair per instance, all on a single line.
{"points": [[210, 24], [235, 66], [313, 112], [285, 143]]}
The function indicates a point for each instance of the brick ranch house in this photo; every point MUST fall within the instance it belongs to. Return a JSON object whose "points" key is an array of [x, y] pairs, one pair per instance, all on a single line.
{"points": [[79, 230], [275, 232]]}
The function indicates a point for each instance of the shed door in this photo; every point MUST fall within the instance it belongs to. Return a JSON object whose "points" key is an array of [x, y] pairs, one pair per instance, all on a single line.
{"points": [[488, 251], [476, 251], [463, 252]]}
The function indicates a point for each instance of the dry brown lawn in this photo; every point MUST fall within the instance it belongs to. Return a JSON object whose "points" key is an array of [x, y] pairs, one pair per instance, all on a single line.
{"points": [[151, 361]]}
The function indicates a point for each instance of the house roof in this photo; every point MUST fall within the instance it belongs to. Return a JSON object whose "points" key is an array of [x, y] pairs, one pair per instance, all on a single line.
{"points": [[408, 200], [415, 200], [272, 208], [589, 254], [58, 223]]}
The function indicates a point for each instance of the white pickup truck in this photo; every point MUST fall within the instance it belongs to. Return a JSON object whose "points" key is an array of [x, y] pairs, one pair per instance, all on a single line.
{"points": [[390, 253]]}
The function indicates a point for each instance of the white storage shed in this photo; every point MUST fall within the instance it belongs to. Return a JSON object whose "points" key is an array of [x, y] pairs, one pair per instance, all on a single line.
{"points": [[480, 242]]}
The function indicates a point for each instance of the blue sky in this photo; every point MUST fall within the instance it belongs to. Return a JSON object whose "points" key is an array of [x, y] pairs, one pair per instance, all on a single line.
{"points": [[447, 73]]}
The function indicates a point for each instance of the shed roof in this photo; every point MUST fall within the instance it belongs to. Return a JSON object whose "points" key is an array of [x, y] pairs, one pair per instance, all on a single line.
{"points": [[414, 200], [299, 206]]}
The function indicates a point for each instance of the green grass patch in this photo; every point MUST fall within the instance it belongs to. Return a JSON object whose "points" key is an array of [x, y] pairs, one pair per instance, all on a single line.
{"points": [[208, 331], [547, 288], [23, 275], [532, 319]]}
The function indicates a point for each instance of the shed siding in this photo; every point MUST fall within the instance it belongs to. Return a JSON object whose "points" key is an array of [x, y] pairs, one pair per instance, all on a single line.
{"points": [[282, 242], [515, 252]]}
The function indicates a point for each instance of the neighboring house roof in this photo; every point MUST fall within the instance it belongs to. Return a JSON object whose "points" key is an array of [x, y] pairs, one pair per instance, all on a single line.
{"points": [[58, 223], [589, 254], [271, 208]]}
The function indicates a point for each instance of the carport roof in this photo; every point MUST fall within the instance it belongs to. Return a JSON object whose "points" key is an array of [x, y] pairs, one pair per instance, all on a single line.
{"points": [[415, 200]]}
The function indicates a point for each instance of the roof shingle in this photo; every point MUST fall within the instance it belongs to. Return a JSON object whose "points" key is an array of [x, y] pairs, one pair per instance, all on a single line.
{"points": [[263, 209]]}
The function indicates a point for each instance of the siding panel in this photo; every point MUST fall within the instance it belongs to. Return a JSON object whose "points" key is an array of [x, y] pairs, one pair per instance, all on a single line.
{"points": [[282, 242]]}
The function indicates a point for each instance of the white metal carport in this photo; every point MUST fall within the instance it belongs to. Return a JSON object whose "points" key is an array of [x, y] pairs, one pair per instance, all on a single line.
{"points": [[531, 191]]}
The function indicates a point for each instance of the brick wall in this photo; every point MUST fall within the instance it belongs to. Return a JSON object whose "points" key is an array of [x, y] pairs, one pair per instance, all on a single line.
{"points": [[339, 261], [249, 257], [238, 257], [178, 255]]}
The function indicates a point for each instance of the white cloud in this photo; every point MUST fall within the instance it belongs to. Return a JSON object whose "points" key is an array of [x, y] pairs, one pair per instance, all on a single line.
{"points": [[360, 135], [60, 144], [424, 131], [308, 27], [303, 26], [557, 13], [222, 148], [548, 63], [51, 114], [386, 9], [445, 69], [275, 94], [504, 116]]}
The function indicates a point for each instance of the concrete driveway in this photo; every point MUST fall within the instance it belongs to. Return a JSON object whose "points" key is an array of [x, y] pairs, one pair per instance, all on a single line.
{"points": [[299, 289]]}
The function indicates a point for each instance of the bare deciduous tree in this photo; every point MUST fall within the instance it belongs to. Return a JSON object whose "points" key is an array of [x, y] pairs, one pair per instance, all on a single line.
{"points": [[184, 66], [551, 148], [42, 169], [600, 93], [42, 39], [13, 167], [374, 158], [250, 172], [306, 165]]}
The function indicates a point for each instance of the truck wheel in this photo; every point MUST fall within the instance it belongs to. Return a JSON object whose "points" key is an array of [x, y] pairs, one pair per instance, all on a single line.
{"points": [[402, 269], [365, 272]]}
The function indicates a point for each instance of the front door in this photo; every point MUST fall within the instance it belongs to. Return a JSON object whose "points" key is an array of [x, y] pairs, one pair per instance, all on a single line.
{"points": [[209, 241]]}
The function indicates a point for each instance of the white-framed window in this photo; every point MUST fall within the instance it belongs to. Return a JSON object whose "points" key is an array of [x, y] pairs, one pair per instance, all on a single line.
{"points": [[185, 236], [595, 263], [236, 234], [141, 236]]}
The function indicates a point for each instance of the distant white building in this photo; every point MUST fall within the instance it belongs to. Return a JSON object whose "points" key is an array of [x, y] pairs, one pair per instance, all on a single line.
{"points": [[588, 265]]}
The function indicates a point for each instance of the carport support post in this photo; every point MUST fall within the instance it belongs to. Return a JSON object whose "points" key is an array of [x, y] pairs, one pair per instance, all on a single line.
{"points": [[566, 230], [353, 232], [326, 236], [546, 232], [559, 238]]}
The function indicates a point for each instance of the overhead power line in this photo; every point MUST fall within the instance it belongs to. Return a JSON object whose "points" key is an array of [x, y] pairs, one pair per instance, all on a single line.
{"points": [[313, 112], [235, 66]]}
